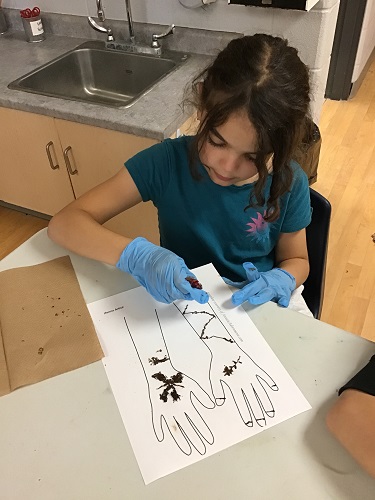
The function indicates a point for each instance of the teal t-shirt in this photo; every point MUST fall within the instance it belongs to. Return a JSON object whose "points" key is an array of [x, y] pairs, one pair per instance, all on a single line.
{"points": [[203, 222]]}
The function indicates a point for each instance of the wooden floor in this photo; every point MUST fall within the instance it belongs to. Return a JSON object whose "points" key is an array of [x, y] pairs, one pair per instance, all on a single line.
{"points": [[346, 176], [16, 228]]}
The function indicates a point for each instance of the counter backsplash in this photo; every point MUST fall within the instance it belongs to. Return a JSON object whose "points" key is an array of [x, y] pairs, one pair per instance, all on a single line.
{"points": [[184, 39]]}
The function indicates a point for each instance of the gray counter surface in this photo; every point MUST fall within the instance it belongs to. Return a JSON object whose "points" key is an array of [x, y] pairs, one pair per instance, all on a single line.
{"points": [[156, 115]]}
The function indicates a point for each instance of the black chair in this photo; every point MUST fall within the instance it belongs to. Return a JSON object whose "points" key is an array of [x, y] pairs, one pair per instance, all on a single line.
{"points": [[317, 244]]}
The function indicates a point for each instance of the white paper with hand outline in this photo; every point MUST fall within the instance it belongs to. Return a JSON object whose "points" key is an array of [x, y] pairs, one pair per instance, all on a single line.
{"points": [[189, 379]]}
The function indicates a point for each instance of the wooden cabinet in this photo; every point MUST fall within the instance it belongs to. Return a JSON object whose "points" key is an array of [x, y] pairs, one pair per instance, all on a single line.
{"points": [[94, 154], [27, 178], [46, 163]]}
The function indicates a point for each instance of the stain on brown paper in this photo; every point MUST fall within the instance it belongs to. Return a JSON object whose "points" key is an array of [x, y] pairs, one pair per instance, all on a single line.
{"points": [[45, 326]]}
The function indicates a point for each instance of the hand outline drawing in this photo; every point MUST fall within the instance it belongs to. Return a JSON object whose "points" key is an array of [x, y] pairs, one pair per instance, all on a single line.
{"points": [[232, 369], [167, 388]]}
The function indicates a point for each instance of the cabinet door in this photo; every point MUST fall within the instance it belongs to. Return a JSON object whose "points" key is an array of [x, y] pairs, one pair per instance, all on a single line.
{"points": [[26, 175], [96, 154]]}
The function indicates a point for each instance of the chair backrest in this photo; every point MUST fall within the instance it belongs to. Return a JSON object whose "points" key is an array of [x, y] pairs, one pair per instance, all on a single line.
{"points": [[317, 245]]}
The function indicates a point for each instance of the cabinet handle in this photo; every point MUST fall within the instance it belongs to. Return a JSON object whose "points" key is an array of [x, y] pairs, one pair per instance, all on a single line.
{"points": [[52, 165], [67, 161]]}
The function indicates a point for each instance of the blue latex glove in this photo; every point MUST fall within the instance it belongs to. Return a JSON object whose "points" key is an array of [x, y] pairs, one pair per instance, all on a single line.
{"points": [[260, 287], [160, 271]]}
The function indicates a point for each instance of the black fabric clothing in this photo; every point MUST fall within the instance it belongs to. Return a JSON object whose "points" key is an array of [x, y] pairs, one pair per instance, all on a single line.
{"points": [[364, 380]]}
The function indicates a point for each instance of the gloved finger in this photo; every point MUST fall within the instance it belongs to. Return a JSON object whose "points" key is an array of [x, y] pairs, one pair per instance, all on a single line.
{"points": [[200, 296], [263, 296], [166, 295], [163, 298], [236, 284], [248, 291], [252, 272], [187, 291], [284, 301]]}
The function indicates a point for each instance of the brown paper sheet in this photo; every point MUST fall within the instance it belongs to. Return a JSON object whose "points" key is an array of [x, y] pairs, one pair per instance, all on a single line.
{"points": [[45, 326]]}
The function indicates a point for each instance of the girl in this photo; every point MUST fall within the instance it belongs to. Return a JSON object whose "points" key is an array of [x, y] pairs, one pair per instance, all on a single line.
{"points": [[230, 195]]}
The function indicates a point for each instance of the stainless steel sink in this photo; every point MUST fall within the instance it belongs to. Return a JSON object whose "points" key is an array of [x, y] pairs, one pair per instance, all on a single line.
{"points": [[92, 73]]}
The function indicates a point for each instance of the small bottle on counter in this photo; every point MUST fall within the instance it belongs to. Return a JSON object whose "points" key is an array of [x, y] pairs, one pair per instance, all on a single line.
{"points": [[33, 26]]}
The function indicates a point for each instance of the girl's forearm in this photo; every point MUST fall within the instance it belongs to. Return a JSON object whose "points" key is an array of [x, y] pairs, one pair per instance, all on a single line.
{"points": [[351, 421], [297, 267], [79, 232]]}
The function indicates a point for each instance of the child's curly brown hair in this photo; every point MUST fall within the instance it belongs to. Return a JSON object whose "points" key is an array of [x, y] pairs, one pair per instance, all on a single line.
{"points": [[264, 76]]}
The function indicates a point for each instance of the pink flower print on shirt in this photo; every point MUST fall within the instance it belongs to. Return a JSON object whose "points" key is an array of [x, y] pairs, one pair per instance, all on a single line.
{"points": [[258, 229]]}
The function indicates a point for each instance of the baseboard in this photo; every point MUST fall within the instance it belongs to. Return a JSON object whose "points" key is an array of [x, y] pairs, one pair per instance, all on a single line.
{"points": [[25, 210]]}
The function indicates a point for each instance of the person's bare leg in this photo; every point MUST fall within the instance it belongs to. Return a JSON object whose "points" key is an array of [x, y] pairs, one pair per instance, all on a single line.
{"points": [[352, 421]]}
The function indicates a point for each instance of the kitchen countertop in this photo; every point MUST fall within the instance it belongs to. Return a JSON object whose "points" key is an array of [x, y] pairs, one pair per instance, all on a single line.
{"points": [[156, 115]]}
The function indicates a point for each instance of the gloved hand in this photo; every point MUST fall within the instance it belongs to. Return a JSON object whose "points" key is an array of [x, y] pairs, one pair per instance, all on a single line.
{"points": [[160, 271], [260, 287]]}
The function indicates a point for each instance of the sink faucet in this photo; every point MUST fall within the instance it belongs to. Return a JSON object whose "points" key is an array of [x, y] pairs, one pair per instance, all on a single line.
{"points": [[101, 17], [101, 29], [130, 20], [155, 44], [154, 48], [99, 8]]}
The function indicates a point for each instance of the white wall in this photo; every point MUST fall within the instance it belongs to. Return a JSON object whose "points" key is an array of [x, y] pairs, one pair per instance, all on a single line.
{"points": [[310, 32], [367, 40]]}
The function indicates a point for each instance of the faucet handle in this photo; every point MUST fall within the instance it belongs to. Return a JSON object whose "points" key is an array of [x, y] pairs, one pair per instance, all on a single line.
{"points": [[101, 29], [155, 38], [99, 8]]}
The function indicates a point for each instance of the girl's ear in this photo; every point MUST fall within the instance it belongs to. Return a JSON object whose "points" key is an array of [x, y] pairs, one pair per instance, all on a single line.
{"points": [[269, 163]]}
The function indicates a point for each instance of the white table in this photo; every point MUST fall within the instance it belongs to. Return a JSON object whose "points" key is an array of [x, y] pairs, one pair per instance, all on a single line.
{"points": [[63, 439]]}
